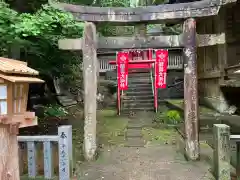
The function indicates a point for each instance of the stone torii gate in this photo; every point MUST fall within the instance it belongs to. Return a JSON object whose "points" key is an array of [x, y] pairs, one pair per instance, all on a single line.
{"points": [[189, 40]]}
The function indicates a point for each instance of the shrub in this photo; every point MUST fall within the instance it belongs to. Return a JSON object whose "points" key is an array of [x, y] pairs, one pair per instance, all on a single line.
{"points": [[55, 111], [172, 117]]}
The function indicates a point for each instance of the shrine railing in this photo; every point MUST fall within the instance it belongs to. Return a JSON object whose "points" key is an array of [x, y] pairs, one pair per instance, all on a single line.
{"points": [[61, 143], [105, 66], [174, 62], [152, 82]]}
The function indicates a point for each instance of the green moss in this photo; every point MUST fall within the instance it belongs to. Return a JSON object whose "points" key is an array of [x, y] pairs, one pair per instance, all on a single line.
{"points": [[158, 136], [37, 178], [202, 109], [111, 128], [169, 117], [172, 117], [107, 113], [176, 102], [204, 144]]}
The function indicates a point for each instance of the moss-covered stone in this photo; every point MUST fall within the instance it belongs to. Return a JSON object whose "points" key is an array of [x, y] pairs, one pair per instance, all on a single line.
{"points": [[111, 128], [159, 135]]}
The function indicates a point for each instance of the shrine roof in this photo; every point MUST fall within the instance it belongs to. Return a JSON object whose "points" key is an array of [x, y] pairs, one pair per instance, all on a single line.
{"points": [[165, 12], [10, 66]]}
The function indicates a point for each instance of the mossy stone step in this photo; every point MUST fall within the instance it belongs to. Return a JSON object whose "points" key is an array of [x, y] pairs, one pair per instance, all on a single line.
{"points": [[134, 125], [134, 142], [134, 132]]}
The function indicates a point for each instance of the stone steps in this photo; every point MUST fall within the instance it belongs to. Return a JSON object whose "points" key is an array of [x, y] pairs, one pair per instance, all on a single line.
{"points": [[138, 109], [137, 103], [139, 93], [143, 97], [138, 82], [139, 79], [148, 105], [66, 101], [134, 142], [145, 84], [139, 96], [134, 136], [142, 88], [134, 132]]}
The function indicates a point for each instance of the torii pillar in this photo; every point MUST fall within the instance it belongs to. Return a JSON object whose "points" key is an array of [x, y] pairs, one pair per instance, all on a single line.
{"points": [[89, 48], [191, 114], [88, 45]]}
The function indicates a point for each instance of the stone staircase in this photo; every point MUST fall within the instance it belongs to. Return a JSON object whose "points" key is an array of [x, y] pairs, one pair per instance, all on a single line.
{"points": [[139, 96]]}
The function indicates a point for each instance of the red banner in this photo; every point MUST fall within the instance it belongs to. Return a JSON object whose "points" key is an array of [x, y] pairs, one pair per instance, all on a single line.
{"points": [[161, 64], [122, 69]]}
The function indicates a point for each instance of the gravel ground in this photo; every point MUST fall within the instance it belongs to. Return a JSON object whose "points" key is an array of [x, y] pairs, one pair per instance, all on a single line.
{"points": [[145, 163]]}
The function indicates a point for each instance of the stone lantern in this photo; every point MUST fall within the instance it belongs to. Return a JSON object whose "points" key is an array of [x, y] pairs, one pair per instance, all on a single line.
{"points": [[15, 77]]}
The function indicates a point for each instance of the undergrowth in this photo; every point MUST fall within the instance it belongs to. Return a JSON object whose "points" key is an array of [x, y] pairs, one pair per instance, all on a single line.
{"points": [[170, 117]]}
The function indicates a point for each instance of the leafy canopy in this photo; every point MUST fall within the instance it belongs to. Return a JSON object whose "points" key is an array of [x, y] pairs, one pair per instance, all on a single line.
{"points": [[46, 22], [37, 35]]}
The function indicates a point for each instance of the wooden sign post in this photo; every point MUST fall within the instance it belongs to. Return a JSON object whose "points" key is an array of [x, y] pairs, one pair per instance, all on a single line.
{"points": [[15, 77]]}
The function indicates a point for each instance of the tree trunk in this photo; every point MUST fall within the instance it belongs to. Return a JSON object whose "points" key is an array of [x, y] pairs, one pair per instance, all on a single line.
{"points": [[15, 52], [9, 163]]}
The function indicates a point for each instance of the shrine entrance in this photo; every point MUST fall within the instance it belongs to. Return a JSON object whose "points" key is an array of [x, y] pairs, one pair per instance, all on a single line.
{"points": [[185, 13], [139, 61]]}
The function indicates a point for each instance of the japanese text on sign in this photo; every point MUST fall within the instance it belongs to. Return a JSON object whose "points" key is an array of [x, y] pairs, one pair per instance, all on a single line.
{"points": [[161, 64], [122, 68]]}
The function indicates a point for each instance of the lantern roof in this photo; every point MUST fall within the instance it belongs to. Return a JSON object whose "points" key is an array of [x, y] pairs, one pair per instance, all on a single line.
{"points": [[16, 79], [10, 66], [17, 71]]}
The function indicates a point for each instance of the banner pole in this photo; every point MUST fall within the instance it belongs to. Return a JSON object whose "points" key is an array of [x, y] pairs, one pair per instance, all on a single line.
{"points": [[118, 88], [155, 85]]}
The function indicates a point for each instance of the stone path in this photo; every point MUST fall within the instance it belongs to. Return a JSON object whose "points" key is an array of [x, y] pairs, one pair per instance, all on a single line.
{"points": [[134, 137], [135, 161], [134, 134], [150, 163]]}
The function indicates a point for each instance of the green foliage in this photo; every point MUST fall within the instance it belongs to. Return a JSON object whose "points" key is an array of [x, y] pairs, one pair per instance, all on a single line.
{"points": [[8, 17], [37, 36], [48, 23], [108, 29], [54, 111], [157, 2], [158, 135], [172, 117], [166, 116], [114, 3]]}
